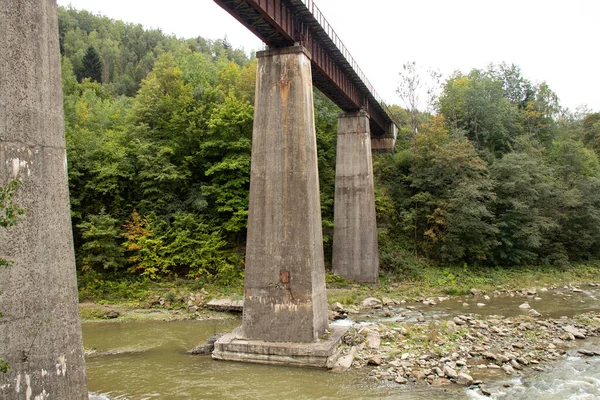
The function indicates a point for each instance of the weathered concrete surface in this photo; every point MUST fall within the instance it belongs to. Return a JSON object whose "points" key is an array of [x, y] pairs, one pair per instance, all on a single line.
{"points": [[355, 247], [40, 333], [322, 353], [386, 142], [284, 294], [383, 144]]}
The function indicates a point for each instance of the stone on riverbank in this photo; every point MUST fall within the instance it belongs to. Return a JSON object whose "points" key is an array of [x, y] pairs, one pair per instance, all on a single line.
{"points": [[588, 353], [464, 379], [450, 372], [375, 360], [345, 362], [371, 302], [574, 331], [373, 340], [206, 348]]}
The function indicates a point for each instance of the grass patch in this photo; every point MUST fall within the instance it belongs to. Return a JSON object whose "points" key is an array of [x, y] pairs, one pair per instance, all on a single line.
{"points": [[425, 281], [91, 313], [431, 281], [107, 289]]}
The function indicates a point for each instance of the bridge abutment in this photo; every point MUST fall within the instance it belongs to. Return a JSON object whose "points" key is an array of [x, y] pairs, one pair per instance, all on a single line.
{"points": [[355, 246], [40, 332]]}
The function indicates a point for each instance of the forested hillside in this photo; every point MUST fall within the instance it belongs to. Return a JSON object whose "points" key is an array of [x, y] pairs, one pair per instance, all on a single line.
{"points": [[159, 137]]}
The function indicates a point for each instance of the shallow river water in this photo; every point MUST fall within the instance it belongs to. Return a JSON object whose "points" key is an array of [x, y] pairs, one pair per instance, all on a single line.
{"points": [[147, 360]]}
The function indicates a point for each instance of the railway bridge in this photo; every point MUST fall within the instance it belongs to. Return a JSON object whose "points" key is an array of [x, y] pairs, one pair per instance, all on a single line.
{"points": [[284, 294]]}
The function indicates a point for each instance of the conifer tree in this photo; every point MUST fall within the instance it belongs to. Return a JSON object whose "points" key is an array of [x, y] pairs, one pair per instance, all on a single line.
{"points": [[91, 67]]}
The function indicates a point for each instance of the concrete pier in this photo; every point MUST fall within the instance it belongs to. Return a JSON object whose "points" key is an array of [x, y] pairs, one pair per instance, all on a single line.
{"points": [[284, 293], [40, 332], [355, 247]]}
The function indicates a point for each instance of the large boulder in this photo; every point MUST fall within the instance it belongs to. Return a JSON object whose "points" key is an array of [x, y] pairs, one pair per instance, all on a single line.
{"points": [[371, 302]]}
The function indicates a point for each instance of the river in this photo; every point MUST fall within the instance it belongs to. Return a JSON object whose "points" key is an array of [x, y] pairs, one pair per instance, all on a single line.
{"points": [[147, 360]]}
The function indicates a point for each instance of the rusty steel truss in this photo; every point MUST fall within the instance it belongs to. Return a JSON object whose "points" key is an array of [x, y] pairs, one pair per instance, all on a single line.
{"points": [[282, 23]]}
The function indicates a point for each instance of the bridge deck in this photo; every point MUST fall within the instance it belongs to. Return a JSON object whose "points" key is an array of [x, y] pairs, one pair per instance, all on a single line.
{"points": [[282, 23]]}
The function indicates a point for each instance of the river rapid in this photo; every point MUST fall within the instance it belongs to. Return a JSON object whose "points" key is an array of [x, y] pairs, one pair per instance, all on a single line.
{"points": [[147, 360], [573, 378]]}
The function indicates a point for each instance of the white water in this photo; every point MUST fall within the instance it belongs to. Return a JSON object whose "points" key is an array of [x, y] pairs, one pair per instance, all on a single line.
{"points": [[573, 378]]}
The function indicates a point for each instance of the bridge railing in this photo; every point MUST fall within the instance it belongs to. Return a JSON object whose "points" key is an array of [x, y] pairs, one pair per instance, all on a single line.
{"points": [[318, 15]]}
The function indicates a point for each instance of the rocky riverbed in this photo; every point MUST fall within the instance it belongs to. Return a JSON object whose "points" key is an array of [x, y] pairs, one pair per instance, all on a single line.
{"points": [[463, 350]]}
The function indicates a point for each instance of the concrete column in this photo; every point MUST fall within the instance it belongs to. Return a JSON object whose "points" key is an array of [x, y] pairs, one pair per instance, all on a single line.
{"points": [[355, 249], [284, 296], [40, 332]]}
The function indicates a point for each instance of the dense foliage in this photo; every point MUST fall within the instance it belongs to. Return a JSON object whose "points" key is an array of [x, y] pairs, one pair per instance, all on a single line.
{"points": [[159, 149], [159, 140], [502, 175]]}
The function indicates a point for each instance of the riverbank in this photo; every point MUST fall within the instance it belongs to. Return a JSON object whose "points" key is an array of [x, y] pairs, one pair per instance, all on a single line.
{"points": [[180, 297], [431, 281]]}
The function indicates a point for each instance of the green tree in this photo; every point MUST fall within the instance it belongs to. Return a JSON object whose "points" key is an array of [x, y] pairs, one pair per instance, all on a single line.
{"points": [[91, 66], [442, 195], [476, 104], [163, 136], [9, 211], [577, 172], [518, 90], [99, 152], [591, 130], [101, 249], [326, 115], [185, 245], [141, 247], [452, 196], [526, 200], [226, 150]]}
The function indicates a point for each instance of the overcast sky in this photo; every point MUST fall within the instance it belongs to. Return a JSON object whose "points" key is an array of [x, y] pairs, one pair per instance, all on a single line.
{"points": [[556, 41]]}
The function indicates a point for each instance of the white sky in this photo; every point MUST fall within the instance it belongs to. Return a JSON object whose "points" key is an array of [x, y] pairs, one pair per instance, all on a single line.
{"points": [[556, 41]]}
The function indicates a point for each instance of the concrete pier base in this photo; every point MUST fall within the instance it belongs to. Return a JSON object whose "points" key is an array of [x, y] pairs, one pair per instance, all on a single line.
{"points": [[284, 290], [322, 353], [40, 332], [355, 247]]}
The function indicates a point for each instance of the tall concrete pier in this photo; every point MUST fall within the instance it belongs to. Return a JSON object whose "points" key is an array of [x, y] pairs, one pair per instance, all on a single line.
{"points": [[285, 298], [40, 332], [285, 302], [355, 248]]}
